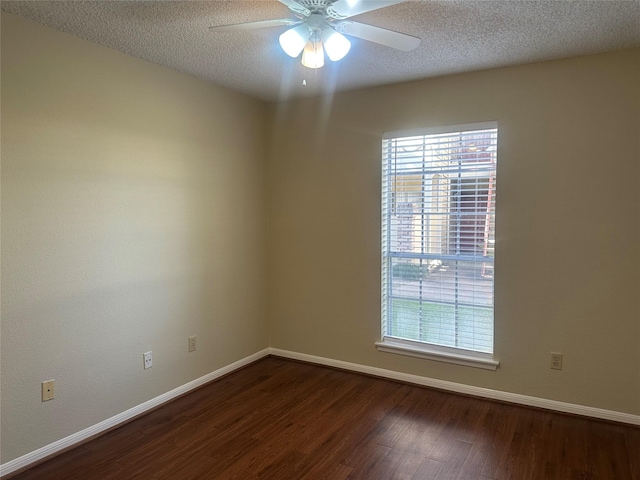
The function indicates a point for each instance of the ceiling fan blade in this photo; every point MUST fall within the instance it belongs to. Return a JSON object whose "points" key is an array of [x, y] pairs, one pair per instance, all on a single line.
{"points": [[253, 25], [342, 9], [296, 7], [389, 38]]}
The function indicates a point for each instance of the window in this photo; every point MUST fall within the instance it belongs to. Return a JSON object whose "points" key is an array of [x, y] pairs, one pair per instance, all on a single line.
{"points": [[438, 241]]}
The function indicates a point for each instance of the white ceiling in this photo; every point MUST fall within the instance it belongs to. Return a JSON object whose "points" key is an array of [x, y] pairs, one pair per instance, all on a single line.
{"points": [[457, 36]]}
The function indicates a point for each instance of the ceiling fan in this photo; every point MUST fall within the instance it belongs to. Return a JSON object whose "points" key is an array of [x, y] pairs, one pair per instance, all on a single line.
{"points": [[321, 25]]}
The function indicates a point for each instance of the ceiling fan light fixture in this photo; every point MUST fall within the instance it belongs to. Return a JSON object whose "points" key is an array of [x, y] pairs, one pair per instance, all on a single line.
{"points": [[294, 40], [336, 44], [313, 55], [320, 25]]}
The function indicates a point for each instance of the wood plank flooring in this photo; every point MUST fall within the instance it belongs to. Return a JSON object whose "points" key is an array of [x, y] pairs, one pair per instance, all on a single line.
{"points": [[284, 420]]}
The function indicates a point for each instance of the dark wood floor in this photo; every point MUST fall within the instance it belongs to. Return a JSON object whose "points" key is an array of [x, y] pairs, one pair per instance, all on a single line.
{"points": [[284, 420]]}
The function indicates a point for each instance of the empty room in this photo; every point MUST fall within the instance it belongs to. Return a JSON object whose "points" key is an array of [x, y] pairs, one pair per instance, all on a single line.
{"points": [[320, 239]]}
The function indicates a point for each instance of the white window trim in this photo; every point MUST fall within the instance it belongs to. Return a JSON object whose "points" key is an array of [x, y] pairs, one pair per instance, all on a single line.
{"points": [[429, 351], [436, 130], [438, 353]]}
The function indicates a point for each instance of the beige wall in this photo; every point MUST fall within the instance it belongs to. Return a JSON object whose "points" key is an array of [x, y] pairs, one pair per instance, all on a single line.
{"points": [[568, 224], [132, 217]]}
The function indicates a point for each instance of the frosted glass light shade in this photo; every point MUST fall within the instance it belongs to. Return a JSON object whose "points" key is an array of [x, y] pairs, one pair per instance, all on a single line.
{"points": [[293, 40], [313, 55], [336, 44]]}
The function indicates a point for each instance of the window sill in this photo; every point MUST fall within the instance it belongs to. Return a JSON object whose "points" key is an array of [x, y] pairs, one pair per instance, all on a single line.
{"points": [[439, 354]]}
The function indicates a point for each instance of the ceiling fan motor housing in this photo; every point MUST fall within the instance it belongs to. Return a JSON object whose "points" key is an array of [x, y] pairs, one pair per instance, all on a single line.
{"points": [[323, 7], [316, 22]]}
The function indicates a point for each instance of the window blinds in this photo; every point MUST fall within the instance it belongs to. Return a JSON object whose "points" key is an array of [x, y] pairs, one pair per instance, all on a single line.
{"points": [[438, 238]]}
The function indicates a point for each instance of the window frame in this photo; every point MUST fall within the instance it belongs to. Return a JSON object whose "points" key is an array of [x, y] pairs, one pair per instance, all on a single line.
{"points": [[414, 348]]}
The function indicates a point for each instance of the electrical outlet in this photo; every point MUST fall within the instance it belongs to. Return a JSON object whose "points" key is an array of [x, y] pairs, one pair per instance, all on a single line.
{"points": [[556, 361], [47, 390], [192, 344], [148, 362]]}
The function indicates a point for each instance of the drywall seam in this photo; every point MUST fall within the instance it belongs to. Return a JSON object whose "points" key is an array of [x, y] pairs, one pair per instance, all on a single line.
{"points": [[78, 437], [465, 389]]}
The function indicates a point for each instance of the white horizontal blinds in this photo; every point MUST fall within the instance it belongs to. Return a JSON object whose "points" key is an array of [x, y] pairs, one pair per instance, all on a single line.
{"points": [[438, 237]]}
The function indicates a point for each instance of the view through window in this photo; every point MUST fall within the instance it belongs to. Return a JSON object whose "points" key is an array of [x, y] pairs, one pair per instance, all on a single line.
{"points": [[438, 238]]}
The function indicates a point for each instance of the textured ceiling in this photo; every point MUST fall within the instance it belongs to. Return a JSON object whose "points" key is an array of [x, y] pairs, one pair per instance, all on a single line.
{"points": [[457, 36]]}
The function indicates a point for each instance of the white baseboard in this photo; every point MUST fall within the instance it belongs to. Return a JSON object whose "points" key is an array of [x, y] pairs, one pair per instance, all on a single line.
{"points": [[109, 423], [465, 389], [78, 437]]}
